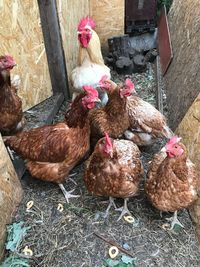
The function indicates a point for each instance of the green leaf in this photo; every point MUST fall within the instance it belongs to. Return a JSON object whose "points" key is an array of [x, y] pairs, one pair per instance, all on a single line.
{"points": [[110, 262], [15, 261], [121, 264], [127, 259], [15, 232]]}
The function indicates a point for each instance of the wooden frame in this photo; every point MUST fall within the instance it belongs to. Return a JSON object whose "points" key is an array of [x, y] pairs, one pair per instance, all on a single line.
{"points": [[53, 45], [57, 67]]}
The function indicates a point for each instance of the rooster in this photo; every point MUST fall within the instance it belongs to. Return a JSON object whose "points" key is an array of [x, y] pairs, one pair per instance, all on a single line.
{"points": [[52, 151], [146, 123], [113, 118], [91, 65], [11, 114], [172, 180], [114, 169]]}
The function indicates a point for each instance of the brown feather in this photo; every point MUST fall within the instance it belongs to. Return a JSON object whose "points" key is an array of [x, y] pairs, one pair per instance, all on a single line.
{"points": [[11, 115]]}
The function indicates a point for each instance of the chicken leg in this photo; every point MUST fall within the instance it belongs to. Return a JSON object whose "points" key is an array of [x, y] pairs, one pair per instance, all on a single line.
{"points": [[66, 193], [124, 210], [174, 221], [111, 203]]}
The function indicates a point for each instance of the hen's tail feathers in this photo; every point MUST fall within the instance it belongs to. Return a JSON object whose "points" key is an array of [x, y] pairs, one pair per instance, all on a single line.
{"points": [[168, 133]]}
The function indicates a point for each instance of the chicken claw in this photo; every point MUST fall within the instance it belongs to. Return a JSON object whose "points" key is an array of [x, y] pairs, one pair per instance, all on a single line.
{"points": [[111, 203], [67, 194], [174, 221], [124, 210]]}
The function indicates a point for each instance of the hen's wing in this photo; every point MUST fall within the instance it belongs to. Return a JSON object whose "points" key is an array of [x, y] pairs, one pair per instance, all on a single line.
{"points": [[145, 117], [155, 164]]}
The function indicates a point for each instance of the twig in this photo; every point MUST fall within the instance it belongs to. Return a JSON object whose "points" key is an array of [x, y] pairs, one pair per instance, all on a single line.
{"points": [[114, 244]]}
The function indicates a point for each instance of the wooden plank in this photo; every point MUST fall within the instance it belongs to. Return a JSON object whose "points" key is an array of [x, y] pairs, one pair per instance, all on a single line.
{"points": [[159, 97], [10, 194], [53, 45], [21, 36], [59, 98], [164, 41]]}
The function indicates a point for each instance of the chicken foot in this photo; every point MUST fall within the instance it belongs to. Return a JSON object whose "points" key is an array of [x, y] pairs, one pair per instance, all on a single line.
{"points": [[174, 221], [66, 193], [111, 203], [124, 210]]}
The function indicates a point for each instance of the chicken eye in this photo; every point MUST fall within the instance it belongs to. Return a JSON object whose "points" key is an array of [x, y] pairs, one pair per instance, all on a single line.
{"points": [[175, 146]]}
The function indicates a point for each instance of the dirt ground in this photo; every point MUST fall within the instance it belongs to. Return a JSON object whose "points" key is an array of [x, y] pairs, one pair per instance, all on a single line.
{"points": [[67, 238]]}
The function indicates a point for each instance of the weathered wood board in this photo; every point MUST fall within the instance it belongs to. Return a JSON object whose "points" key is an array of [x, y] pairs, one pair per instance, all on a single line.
{"points": [[21, 36], [182, 79], [109, 18], [70, 12], [10, 193], [189, 130]]}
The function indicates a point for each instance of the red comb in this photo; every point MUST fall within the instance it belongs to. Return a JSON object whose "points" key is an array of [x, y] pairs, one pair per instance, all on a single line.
{"points": [[129, 84], [175, 139], [90, 90], [108, 140], [8, 57], [87, 21]]}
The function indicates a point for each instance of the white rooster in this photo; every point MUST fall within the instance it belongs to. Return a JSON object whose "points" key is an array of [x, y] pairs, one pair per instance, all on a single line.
{"points": [[91, 65]]}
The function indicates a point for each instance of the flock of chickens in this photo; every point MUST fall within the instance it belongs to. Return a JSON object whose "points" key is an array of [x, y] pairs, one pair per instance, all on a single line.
{"points": [[108, 135]]}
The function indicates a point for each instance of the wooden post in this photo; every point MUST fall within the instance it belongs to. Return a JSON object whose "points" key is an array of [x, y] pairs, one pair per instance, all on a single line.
{"points": [[53, 45], [10, 194]]}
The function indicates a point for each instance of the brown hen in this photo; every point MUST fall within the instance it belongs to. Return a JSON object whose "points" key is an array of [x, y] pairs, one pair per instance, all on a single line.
{"points": [[52, 151], [114, 169], [172, 180], [11, 115], [113, 118], [146, 122]]}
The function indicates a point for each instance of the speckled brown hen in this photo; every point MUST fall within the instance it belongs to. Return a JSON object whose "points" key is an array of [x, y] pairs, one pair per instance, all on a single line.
{"points": [[172, 180], [146, 122], [114, 170], [113, 118], [52, 151], [11, 115]]}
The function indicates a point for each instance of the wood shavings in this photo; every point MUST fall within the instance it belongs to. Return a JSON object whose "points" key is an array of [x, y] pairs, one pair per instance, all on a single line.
{"points": [[113, 252], [29, 205], [129, 219], [60, 207], [166, 226], [27, 251]]}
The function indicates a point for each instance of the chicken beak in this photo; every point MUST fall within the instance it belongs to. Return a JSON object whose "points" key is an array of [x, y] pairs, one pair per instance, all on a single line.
{"points": [[97, 100]]}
